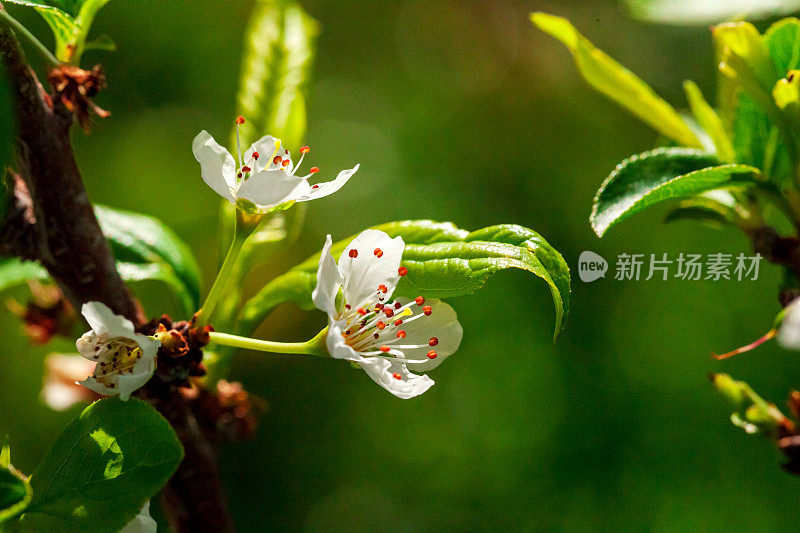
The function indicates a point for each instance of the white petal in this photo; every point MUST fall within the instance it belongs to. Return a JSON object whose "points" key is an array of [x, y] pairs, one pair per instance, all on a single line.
{"points": [[92, 384], [270, 188], [86, 344], [334, 341], [265, 147], [442, 324], [329, 187], [366, 272], [382, 372], [217, 166], [104, 322], [789, 334], [329, 280], [142, 523], [380, 369]]}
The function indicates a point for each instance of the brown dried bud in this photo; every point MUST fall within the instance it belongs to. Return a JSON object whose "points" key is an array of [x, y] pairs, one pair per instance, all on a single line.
{"points": [[75, 88]]}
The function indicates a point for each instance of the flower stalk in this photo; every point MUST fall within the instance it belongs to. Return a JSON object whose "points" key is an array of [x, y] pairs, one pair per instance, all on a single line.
{"points": [[314, 346], [242, 229]]}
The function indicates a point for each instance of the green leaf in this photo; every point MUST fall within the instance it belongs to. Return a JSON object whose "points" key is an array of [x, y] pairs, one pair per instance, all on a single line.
{"points": [[70, 21], [65, 29], [442, 261], [15, 271], [704, 12], [616, 82], [711, 123], [279, 50], [100, 471], [715, 208], [137, 238], [762, 135], [743, 40], [136, 272], [662, 174], [15, 494], [5, 454]]}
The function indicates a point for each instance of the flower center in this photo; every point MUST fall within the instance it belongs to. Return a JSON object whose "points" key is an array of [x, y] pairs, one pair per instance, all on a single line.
{"points": [[378, 328], [114, 356], [279, 159]]}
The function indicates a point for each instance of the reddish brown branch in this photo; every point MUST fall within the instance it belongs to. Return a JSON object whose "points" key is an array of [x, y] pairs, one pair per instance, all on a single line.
{"points": [[66, 236], [53, 222]]}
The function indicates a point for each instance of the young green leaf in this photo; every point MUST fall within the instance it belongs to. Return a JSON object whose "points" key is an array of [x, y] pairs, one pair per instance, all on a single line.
{"points": [[782, 39], [70, 21], [15, 494], [710, 122], [743, 40], [442, 261], [662, 174], [137, 238], [275, 68], [139, 272], [100, 471], [617, 82]]}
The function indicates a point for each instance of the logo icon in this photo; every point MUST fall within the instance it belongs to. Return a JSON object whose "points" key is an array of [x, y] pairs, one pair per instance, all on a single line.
{"points": [[591, 266]]}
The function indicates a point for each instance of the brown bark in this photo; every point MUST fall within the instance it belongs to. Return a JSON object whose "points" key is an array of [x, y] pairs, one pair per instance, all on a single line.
{"points": [[65, 236], [55, 225]]}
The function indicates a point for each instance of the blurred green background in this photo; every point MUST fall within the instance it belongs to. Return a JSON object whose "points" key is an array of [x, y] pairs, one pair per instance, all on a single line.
{"points": [[456, 111]]}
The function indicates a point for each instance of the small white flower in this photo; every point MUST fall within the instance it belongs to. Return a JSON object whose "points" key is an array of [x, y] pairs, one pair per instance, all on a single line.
{"points": [[125, 359], [384, 337], [142, 523], [265, 178]]}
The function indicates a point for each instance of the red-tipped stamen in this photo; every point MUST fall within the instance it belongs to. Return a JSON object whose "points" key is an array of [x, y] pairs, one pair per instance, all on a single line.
{"points": [[256, 155], [240, 120], [427, 310], [383, 288], [304, 150], [402, 271], [384, 349], [353, 253], [314, 170], [755, 344], [419, 300], [380, 324], [401, 334], [396, 376], [246, 169], [378, 252], [433, 342], [277, 160], [432, 354]]}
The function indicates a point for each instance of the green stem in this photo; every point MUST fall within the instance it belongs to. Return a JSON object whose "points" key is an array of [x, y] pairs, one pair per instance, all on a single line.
{"points": [[315, 346], [22, 30], [241, 231]]}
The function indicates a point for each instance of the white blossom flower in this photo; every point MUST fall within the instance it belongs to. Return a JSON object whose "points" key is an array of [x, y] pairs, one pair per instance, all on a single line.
{"points": [[142, 523], [125, 359], [265, 180], [383, 336]]}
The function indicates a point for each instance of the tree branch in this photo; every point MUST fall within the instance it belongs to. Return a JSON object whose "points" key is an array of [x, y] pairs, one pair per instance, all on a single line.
{"points": [[53, 222], [66, 235]]}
